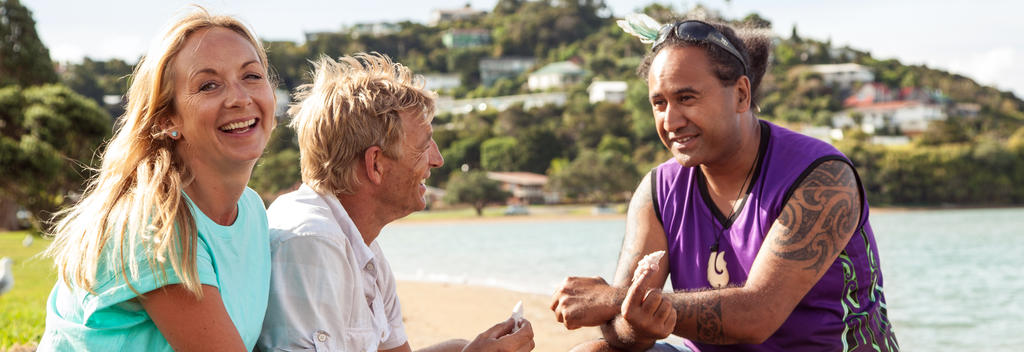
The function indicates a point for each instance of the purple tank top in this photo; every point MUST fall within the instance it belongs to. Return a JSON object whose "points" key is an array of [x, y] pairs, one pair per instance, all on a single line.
{"points": [[844, 311]]}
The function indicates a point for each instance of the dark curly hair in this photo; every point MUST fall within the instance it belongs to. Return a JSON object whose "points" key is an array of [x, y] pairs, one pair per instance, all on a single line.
{"points": [[752, 43]]}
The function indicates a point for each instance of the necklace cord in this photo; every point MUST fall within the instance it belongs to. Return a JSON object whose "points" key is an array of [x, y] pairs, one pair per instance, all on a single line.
{"points": [[743, 186]]}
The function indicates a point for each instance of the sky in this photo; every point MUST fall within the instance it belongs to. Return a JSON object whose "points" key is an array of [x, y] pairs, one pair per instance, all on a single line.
{"points": [[981, 39]]}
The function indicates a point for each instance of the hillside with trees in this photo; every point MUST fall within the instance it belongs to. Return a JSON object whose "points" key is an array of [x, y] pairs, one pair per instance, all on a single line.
{"points": [[596, 152], [48, 132]]}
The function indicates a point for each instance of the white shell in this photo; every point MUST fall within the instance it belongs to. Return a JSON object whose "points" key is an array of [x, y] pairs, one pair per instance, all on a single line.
{"points": [[718, 275], [648, 262], [517, 316]]}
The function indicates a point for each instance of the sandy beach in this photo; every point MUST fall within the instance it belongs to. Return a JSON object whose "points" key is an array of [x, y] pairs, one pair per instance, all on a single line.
{"points": [[435, 312]]}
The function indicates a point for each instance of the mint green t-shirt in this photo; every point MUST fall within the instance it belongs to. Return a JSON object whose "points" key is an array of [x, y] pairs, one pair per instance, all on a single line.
{"points": [[235, 259]]}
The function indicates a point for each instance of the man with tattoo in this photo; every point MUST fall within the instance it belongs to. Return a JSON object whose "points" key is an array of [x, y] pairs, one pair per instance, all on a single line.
{"points": [[766, 230]]}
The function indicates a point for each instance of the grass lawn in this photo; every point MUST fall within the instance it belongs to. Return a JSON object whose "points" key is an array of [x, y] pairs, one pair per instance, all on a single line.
{"points": [[23, 309]]}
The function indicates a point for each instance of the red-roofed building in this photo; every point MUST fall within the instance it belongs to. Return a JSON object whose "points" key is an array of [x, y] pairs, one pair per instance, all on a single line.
{"points": [[870, 93]]}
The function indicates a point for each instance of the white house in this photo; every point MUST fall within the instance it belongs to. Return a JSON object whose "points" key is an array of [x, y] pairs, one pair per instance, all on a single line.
{"points": [[529, 101], [909, 116], [610, 91], [844, 75], [460, 14], [466, 38], [440, 81], [491, 69], [555, 75], [374, 29]]}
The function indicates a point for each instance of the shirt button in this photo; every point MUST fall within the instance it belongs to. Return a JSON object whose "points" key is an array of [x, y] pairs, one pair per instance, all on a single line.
{"points": [[370, 267], [321, 337]]}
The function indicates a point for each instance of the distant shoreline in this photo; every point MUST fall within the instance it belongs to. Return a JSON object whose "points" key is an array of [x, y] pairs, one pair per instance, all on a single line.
{"points": [[512, 218], [580, 212]]}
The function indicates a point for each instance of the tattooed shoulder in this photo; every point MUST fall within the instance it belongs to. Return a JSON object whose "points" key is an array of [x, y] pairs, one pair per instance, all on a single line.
{"points": [[819, 218]]}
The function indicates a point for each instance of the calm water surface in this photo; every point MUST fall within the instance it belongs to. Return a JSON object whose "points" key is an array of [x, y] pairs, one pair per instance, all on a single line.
{"points": [[953, 278]]}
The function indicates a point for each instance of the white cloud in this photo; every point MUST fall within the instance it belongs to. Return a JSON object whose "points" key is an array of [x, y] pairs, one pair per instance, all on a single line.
{"points": [[1000, 67], [63, 52]]}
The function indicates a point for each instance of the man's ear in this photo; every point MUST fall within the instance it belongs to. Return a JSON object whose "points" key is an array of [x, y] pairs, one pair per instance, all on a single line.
{"points": [[372, 164], [743, 96]]}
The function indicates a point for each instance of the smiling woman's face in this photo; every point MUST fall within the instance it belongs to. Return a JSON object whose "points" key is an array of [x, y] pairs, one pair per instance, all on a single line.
{"points": [[223, 100]]}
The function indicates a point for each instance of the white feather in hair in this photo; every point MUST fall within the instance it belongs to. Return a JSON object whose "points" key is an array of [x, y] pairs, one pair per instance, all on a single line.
{"points": [[640, 26]]}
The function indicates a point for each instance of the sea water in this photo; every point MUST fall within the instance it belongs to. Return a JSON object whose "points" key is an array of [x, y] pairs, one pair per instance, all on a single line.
{"points": [[953, 278]]}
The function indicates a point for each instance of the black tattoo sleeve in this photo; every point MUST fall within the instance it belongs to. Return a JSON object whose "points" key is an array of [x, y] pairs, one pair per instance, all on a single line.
{"points": [[706, 310], [823, 209]]}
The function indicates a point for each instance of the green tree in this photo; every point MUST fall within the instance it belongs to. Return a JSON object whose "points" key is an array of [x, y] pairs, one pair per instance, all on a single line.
{"points": [[952, 130], [501, 154], [755, 20], [460, 152], [641, 115], [278, 170], [1016, 141], [538, 146], [587, 123], [475, 188], [289, 62], [597, 177], [49, 137], [24, 59], [98, 79]]}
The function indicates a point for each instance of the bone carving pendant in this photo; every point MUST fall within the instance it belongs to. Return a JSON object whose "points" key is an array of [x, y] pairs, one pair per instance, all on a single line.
{"points": [[718, 276]]}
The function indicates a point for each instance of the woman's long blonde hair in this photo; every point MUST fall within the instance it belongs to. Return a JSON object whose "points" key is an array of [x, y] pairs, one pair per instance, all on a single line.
{"points": [[134, 205]]}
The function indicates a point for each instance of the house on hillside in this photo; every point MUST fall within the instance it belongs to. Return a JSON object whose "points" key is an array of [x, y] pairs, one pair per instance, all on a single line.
{"points": [[870, 93], [555, 75], [433, 197], [374, 29], [909, 117], [466, 38], [529, 101], [967, 110], [526, 187], [439, 16], [843, 75], [609, 91], [441, 81], [491, 69]]}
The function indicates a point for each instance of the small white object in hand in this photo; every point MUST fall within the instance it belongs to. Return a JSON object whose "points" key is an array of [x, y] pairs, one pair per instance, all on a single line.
{"points": [[517, 316], [649, 262]]}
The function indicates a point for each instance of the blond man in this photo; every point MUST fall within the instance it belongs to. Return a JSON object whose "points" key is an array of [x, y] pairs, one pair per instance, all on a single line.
{"points": [[366, 146]]}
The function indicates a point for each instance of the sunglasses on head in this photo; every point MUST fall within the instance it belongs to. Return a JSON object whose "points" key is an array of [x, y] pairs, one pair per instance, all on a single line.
{"points": [[699, 31]]}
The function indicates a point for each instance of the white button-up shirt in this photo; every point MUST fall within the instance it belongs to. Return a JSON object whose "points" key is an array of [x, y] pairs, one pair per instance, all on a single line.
{"points": [[329, 291]]}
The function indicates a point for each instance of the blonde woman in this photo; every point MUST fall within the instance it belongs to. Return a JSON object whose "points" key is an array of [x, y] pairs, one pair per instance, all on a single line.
{"points": [[168, 249]]}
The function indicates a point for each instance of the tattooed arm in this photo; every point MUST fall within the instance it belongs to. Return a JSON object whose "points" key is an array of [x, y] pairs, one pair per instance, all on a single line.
{"points": [[592, 301], [644, 235], [813, 228]]}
